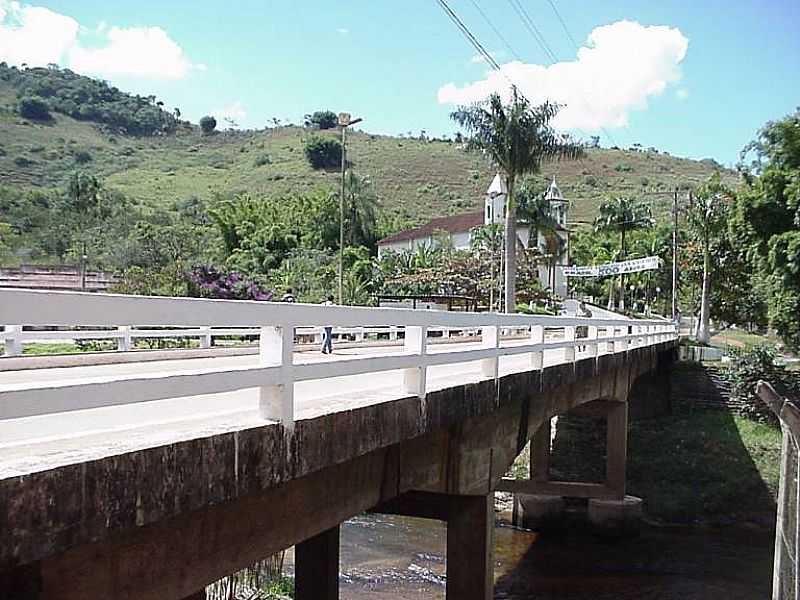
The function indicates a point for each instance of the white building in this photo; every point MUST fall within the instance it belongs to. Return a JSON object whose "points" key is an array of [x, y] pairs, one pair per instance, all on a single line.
{"points": [[459, 230]]}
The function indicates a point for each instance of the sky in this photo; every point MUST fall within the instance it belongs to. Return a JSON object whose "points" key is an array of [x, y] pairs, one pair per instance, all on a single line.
{"points": [[693, 78]]}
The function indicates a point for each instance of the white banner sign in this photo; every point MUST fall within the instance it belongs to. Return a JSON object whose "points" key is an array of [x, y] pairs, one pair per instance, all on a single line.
{"points": [[629, 266]]}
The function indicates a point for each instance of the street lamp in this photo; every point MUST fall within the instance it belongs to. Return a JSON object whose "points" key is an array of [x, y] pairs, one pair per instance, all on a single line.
{"points": [[344, 122]]}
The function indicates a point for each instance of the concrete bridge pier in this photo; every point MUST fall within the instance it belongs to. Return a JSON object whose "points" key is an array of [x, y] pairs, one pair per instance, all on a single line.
{"points": [[470, 537], [539, 501], [316, 573]]}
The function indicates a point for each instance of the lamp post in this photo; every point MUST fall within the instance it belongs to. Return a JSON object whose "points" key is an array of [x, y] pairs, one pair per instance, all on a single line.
{"points": [[344, 122]]}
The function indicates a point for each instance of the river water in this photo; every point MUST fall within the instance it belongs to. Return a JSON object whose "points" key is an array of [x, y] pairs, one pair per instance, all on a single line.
{"points": [[393, 557]]}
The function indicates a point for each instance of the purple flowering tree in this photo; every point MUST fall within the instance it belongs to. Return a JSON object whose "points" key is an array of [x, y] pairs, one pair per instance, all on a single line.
{"points": [[206, 281]]}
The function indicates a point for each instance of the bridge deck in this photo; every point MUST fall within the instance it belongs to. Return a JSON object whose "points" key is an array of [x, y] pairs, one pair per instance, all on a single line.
{"points": [[33, 444]]}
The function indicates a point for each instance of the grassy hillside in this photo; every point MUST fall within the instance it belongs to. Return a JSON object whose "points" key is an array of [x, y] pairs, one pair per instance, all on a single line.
{"points": [[417, 179]]}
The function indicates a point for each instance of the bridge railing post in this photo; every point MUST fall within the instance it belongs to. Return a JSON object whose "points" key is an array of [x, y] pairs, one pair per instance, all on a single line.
{"points": [[276, 347], [13, 340], [415, 378], [124, 342], [569, 351], [537, 356], [205, 337], [490, 338], [591, 340]]}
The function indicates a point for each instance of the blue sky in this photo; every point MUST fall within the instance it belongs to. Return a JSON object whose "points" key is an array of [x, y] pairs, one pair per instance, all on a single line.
{"points": [[696, 79]]}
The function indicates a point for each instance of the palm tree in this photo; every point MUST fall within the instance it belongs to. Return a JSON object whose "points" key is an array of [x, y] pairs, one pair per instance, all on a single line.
{"points": [[622, 215], [534, 210], [361, 207], [707, 218], [518, 138]]}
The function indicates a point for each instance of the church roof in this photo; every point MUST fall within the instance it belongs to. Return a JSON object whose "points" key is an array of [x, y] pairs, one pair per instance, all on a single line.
{"points": [[453, 224]]}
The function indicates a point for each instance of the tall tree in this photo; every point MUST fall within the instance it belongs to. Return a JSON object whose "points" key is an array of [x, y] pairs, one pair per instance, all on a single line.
{"points": [[707, 220], [622, 215], [361, 208], [518, 137], [765, 221]]}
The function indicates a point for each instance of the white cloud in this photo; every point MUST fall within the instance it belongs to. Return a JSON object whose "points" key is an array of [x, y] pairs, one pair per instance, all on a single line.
{"points": [[37, 36], [343, 30], [681, 93], [619, 68], [34, 35], [234, 112], [478, 58]]}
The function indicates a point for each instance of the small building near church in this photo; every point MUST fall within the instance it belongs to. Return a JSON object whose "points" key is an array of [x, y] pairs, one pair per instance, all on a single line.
{"points": [[458, 230]]}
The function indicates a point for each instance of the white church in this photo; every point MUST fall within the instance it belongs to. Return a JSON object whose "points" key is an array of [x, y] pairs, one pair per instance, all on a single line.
{"points": [[459, 228]]}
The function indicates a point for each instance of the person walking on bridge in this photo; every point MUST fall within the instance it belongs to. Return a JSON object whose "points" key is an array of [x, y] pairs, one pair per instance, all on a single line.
{"points": [[327, 335]]}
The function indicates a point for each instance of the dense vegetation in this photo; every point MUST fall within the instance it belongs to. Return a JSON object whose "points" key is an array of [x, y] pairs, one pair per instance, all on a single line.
{"points": [[60, 90]]}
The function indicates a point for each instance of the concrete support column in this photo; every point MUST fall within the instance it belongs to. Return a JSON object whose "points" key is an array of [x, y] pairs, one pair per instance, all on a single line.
{"points": [[470, 548], [617, 447], [540, 453], [316, 571]]}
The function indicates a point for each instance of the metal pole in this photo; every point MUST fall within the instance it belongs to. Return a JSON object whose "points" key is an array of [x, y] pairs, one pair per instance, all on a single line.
{"points": [[341, 223], [675, 255]]}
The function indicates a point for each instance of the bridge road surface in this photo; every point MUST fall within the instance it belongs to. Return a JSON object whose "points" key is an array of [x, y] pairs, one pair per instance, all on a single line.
{"points": [[42, 442]]}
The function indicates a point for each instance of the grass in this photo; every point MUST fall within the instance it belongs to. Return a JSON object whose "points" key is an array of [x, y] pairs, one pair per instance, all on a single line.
{"points": [[738, 338], [415, 179], [708, 466]]}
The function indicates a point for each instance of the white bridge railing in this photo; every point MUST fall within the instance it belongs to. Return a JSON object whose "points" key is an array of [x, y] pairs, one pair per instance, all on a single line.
{"points": [[276, 370]]}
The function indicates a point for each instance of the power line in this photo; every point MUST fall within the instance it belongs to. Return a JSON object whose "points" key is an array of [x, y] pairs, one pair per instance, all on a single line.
{"points": [[496, 31], [532, 29], [575, 45], [563, 24]]}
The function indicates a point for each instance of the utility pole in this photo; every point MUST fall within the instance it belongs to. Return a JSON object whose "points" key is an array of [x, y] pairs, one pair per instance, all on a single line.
{"points": [[675, 255], [344, 122]]}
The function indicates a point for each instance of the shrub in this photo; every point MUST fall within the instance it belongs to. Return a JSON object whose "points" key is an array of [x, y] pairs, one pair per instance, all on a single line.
{"points": [[82, 157], [323, 153], [33, 107], [21, 161], [208, 124], [623, 168], [262, 159], [749, 365], [590, 180]]}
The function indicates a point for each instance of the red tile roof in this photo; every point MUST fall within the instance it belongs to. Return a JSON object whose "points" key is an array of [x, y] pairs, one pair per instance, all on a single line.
{"points": [[454, 224]]}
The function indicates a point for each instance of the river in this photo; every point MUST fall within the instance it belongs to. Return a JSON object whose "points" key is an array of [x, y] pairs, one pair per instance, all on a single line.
{"points": [[385, 557]]}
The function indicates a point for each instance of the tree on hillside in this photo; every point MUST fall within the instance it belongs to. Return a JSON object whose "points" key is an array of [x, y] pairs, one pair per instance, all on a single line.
{"points": [[33, 107], [518, 138], [208, 124], [707, 220], [622, 215], [323, 153], [322, 119]]}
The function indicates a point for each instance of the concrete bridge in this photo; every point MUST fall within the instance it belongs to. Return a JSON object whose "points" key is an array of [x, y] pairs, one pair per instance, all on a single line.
{"points": [[149, 481]]}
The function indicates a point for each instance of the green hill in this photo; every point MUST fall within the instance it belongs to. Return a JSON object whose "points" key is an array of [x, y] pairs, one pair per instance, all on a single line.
{"points": [[414, 178]]}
